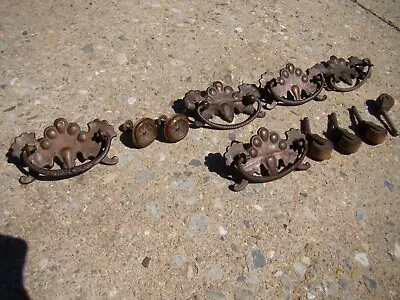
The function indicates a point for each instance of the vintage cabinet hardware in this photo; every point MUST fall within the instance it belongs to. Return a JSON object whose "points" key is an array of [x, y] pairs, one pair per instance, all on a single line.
{"points": [[353, 72], [267, 157], [319, 148], [63, 143], [222, 101], [371, 133], [295, 87], [146, 130], [381, 106], [292, 87], [345, 141]]}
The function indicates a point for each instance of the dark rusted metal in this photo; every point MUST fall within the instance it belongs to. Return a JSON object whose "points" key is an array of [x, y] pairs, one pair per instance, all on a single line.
{"points": [[146, 130], [381, 106], [175, 128], [267, 157], [370, 132], [319, 148], [63, 143], [353, 73], [292, 87], [222, 101], [344, 141], [295, 87]]}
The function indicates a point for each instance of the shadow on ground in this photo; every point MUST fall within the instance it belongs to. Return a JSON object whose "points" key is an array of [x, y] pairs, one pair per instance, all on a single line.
{"points": [[12, 260]]}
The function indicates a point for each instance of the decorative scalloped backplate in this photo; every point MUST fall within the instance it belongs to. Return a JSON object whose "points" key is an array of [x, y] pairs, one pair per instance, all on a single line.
{"points": [[62, 143], [340, 70], [292, 84], [267, 153], [222, 101]]}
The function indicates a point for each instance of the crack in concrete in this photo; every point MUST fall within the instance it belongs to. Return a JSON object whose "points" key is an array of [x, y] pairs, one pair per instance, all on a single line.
{"points": [[388, 22]]}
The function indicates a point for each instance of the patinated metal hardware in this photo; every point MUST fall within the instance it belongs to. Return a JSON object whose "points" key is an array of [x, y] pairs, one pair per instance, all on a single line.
{"points": [[292, 87], [222, 101], [370, 132], [381, 106], [146, 130], [319, 148], [345, 142], [62, 144], [352, 73], [267, 157], [295, 87]]}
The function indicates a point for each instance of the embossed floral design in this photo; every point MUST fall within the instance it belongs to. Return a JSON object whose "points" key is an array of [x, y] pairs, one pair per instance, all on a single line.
{"points": [[222, 101], [267, 157]]}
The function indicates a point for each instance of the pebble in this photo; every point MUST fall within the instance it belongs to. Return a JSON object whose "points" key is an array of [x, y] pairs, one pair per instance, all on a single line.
{"points": [[191, 200], [215, 295], [135, 161], [361, 214], [247, 194], [270, 254], [43, 263], [344, 282], [222, 231], [198, 222], [190, 273], [310, 296], [246, 223], [218, 203], [228, 78], [185, 185], [131, 100], [243, 294], [253, 278], [389, 185], [258, 259], [153, 209], [287, 284], [177, 261], [195, 135], [88, 48], [215, 272], [144, 175], [232, 136], [122, 59], [3, 46], [146, 262], [195, 163], [356, 274], [309, 214], [362, 259], [306, 260], [258, 207], [397, 251], [332, 288], [370, 283], [299, 269]]}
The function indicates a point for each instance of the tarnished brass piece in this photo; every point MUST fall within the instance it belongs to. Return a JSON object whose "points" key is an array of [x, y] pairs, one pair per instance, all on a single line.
{"points": [[319, 148], [370, 132], [292, 87], [345, 141], [63, 143], [382, 105], [267, 157], [146, 130], [222, 101], [352, 73]]}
